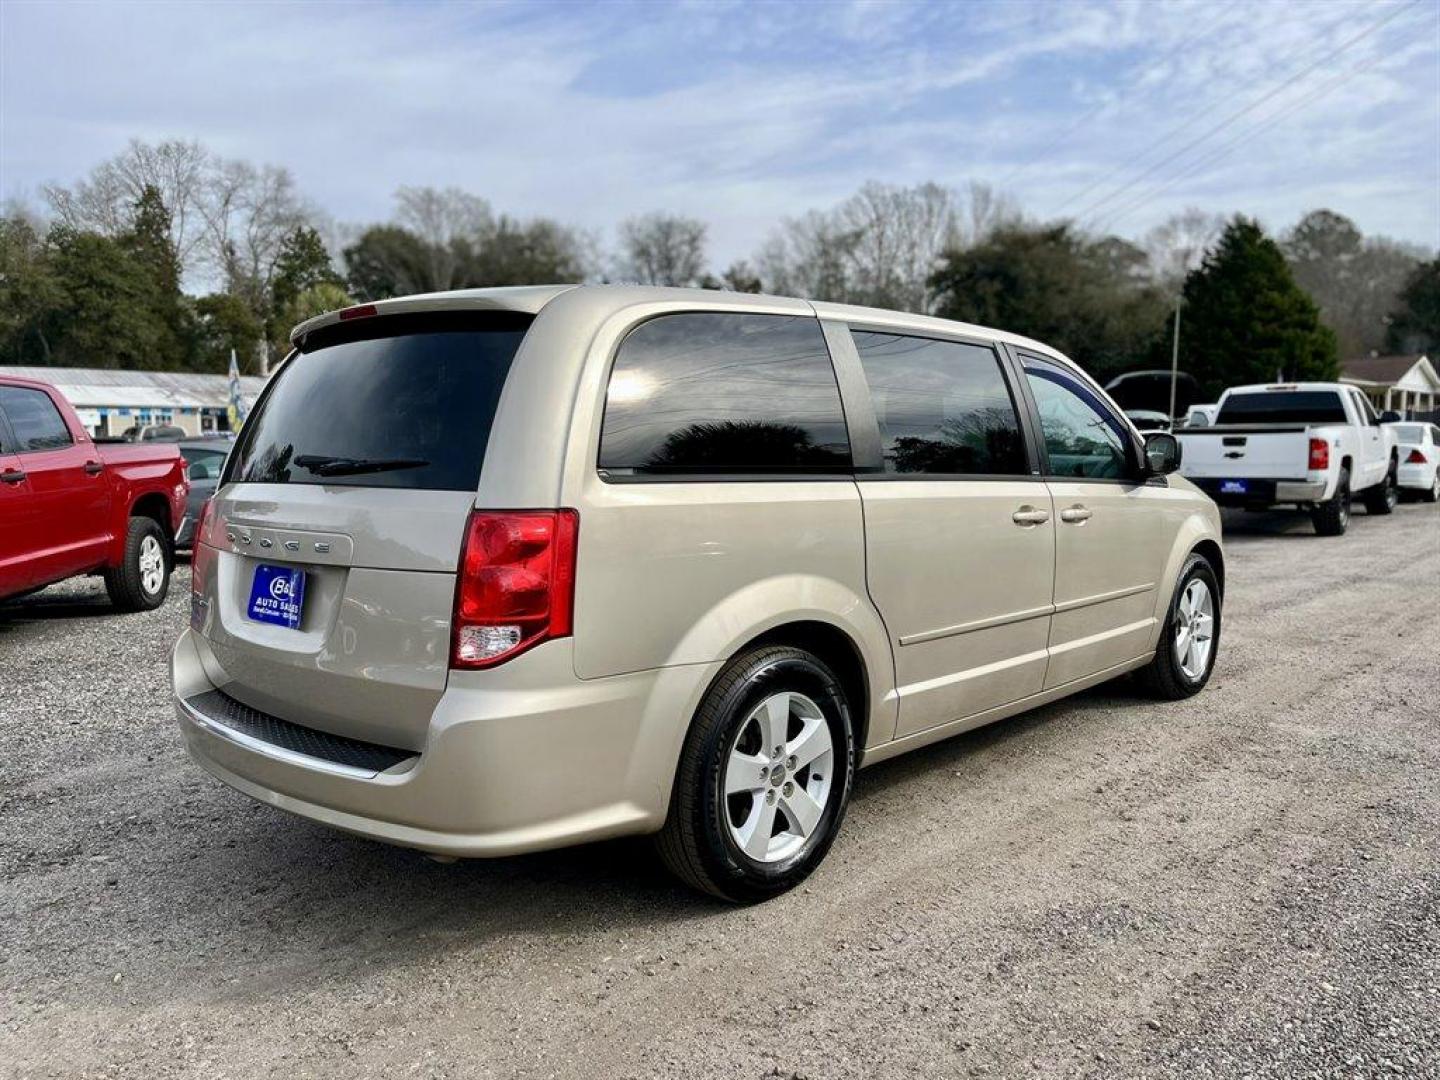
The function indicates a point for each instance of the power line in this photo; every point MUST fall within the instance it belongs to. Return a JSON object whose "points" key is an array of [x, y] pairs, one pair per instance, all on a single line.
{"points": [[1189, 42], [1216, 129], [1221, 151]]}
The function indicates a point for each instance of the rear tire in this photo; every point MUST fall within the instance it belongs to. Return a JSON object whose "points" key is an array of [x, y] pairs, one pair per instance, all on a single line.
{"points": [[764, 777], [1381, 498], [142, 580], [1181, 667], [1433, 494], [1332, 517]]}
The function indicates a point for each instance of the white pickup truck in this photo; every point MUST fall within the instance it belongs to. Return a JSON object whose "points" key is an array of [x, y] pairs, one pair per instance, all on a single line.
{"points": [[1311, 445]]}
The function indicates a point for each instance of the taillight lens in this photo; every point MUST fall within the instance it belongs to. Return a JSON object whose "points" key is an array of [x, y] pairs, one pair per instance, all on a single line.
{"points": [[1319, 454], [516, 585], [201, 555], [1415, 458]]}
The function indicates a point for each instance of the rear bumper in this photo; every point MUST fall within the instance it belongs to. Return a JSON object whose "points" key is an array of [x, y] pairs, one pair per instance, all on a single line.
{"points": [[1262, 492], [1415, 476], [520, 758]]}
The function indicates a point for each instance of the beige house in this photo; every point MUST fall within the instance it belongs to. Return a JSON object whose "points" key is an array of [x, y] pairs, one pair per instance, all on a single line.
{"points": [[1407, 384]]}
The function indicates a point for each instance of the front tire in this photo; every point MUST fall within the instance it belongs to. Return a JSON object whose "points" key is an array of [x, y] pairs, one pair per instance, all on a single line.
{"points": [[1381, 498], [1191, 638], [764, 777], [141, 581], [1332, 517]]}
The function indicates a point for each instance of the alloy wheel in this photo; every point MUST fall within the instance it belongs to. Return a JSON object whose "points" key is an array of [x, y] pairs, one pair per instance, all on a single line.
{"points": [[1194, 629], [779, 777], [152, 565]]}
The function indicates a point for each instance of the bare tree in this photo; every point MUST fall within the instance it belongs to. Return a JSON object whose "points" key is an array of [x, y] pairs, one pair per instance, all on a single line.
{"points": [[1177, 245], [453, 224], [105, 201], [881, 245], [663, 249]]}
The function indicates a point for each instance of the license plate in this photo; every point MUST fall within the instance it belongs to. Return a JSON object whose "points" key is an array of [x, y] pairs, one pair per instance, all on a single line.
{"points": [[1233, 487], [277, 595]]}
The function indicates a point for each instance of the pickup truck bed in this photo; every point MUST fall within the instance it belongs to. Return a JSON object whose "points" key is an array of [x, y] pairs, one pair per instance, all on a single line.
{"points": [[71, 506]]}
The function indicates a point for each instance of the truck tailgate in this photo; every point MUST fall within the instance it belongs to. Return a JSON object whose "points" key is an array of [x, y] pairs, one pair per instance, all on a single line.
{"points": [[1244, 452]]}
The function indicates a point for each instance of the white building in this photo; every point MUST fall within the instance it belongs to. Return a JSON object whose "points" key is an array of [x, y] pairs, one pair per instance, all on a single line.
{"points": [[1407, 384], [110, 401]]}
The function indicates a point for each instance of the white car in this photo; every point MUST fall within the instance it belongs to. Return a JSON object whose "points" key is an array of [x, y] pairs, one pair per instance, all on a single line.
{"points": [[1419, 451], [1311, 445], [1201, 415]]}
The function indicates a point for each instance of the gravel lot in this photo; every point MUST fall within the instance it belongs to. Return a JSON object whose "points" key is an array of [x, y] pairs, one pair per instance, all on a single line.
{"points": [[1244, 884]]}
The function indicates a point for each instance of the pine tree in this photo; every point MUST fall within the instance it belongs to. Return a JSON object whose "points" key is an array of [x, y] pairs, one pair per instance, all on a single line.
{"points": [[1416, 326], [1246, 321]]}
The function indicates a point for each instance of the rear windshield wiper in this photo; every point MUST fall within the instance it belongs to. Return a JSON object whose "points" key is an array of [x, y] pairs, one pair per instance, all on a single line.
{"points": [[324, 465]]}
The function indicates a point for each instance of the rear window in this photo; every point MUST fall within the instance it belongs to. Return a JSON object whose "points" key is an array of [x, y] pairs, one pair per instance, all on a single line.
{"points": [[1410, 433], [400, 401], [1283, 407]]}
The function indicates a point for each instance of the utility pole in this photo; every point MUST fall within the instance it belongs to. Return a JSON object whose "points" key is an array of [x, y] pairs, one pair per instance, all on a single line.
{"points": [[1175, 355]]}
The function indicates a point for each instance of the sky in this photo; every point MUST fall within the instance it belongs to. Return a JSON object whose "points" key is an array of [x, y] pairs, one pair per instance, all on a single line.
{"points": [[1116, 113]]}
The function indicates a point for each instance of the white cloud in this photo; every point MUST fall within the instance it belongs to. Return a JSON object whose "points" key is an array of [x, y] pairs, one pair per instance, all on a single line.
{"points": [[736, 113]]}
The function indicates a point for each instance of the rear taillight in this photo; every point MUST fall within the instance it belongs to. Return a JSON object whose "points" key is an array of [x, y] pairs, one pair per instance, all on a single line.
{"points": [[516, 585], [202, 557], [1319, 454], [201, 554], [1415, 458]]}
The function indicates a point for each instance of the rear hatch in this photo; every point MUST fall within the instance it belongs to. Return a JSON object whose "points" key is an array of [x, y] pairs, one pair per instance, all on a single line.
{"points": [[339, 521]]}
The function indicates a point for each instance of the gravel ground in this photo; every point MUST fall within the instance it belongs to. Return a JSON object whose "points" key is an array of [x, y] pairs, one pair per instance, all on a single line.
{"points": [[1244, 884]]}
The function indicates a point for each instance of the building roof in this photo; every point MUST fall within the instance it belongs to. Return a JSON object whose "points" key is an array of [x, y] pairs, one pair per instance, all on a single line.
{"points": [[1380, 370], [108, 387]]}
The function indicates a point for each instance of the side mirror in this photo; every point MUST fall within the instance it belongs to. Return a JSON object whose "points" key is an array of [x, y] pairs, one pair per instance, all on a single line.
{"points": [[1390, 416], [1162, 453]]}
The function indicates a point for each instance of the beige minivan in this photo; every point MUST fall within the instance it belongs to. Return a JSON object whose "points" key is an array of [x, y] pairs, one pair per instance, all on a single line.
{"points": [[508, 569]]}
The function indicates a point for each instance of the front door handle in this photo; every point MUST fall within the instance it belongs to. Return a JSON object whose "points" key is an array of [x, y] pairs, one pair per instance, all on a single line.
{"points": [[93, 468], [1076, 514], [12, 476], [1028, 516]]}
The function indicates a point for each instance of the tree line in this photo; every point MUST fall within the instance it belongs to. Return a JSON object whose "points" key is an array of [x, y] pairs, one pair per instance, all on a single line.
{"points": [[106, 276]]}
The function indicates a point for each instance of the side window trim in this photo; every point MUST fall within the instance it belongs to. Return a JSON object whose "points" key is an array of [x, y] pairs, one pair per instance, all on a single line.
{"points": [[9, 444], [1133, 451], [866, 455]]}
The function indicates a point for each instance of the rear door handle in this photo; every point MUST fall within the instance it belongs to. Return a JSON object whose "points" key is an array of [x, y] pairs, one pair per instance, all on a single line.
{"points": [[1076, 514], [93, 468], [1027, 516], [13, 476]]}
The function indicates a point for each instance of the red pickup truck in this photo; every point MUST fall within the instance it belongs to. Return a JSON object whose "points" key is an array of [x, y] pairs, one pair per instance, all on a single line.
{"points": [[71, 506]]}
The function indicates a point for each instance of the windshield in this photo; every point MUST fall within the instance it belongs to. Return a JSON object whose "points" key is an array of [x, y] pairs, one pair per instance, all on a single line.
{"points": [[395, 401], [1283, 407]]}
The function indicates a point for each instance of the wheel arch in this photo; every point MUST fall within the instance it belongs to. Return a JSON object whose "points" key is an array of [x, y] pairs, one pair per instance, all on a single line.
{"points": [[154, 506], [839, 652]]}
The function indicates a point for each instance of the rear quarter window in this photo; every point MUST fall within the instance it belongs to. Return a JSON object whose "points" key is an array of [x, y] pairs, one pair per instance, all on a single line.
{"points": [[402, 401], [723, 393]]}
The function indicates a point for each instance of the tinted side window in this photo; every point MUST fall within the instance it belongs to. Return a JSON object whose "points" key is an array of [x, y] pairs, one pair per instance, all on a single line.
{"points": [[1083, 438], [714, 392], [943, 406], [33, 417]]}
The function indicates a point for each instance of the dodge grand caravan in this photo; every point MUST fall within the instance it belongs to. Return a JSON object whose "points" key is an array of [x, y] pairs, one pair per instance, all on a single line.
{"points": [[507, 569]]}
